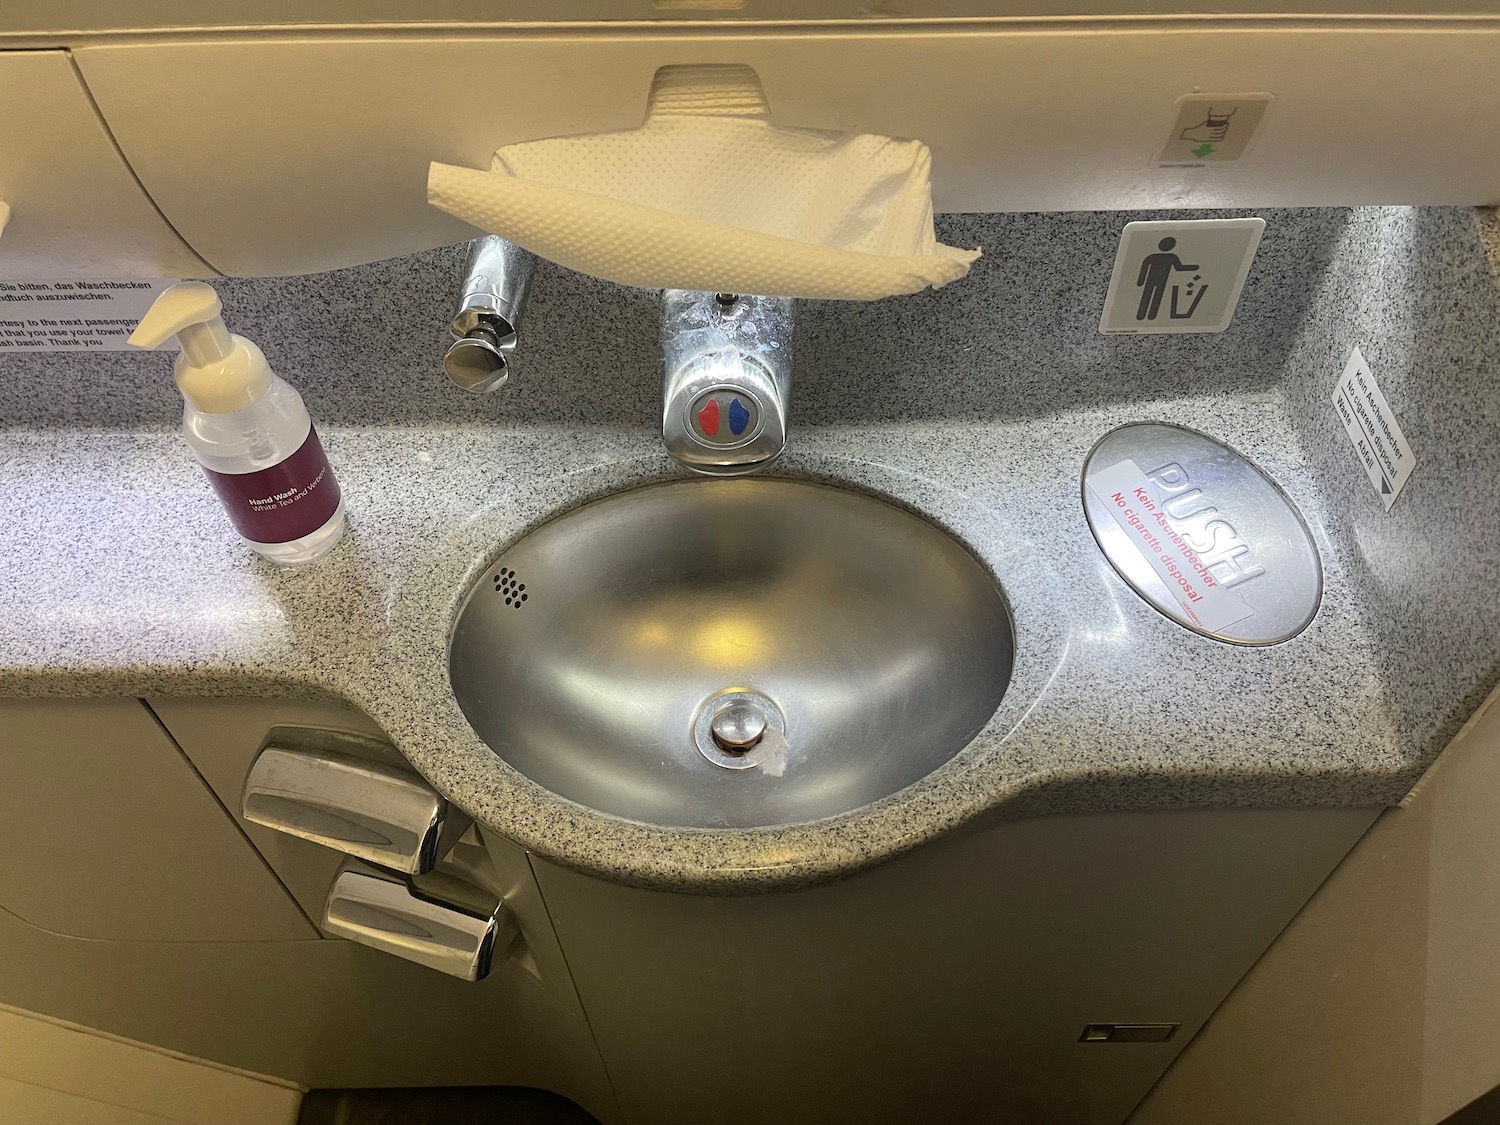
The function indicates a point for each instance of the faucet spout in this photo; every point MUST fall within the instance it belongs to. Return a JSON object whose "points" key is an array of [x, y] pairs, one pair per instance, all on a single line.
{"points": [[726, 380], [487, 323]]}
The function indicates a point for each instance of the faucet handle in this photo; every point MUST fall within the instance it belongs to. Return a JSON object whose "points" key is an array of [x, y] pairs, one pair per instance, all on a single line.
{"points": [[486, 327]]}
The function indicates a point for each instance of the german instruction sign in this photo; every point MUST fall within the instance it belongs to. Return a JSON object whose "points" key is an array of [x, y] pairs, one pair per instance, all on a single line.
{"points": [[1373, 430], [1131, 499], [73, 316]]}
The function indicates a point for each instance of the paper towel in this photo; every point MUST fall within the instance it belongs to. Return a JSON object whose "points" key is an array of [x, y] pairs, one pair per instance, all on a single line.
{"points": [[709, 195]]}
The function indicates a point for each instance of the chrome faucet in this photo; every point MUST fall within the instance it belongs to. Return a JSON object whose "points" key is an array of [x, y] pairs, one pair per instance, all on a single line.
{"points": [[726, 380], [487, 324]]}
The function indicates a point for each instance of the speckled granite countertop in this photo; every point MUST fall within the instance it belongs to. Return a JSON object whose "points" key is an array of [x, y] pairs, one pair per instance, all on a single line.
{"points": [[1111, 705], [120, 576]]}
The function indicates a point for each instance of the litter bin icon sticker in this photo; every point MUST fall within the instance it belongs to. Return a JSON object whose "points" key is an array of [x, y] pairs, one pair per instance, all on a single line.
{"points": [[1179, 276]]}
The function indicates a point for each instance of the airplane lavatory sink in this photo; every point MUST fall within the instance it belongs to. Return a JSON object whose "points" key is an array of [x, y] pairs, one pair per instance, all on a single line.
{"points": [[731, 653]]}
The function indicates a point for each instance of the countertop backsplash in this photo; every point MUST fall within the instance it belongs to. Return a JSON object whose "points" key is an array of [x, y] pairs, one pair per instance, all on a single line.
{"points": [[1017, 338]]}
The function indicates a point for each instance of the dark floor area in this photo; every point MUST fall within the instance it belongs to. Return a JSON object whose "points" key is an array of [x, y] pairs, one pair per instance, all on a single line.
{"points": [[460, 1105], [1483, 1110]]}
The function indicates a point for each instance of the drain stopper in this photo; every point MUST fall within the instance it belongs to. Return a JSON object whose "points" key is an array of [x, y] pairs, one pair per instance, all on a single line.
{"points": [[738, 727]]}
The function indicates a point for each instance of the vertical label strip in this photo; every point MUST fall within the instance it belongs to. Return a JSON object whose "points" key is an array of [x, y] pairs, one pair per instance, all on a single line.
{"points": [[1382, 448]]}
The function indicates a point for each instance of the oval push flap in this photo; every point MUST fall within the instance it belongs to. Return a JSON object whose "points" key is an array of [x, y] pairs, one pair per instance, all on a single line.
{"points": [[1202, 534]]}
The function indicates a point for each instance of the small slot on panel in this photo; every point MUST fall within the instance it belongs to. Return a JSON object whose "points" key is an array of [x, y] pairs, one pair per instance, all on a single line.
{"points": [[699, 5], [1127, 1032]]}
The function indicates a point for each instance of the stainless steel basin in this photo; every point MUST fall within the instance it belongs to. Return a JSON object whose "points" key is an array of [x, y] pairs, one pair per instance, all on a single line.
{"points": [[731, 654]]}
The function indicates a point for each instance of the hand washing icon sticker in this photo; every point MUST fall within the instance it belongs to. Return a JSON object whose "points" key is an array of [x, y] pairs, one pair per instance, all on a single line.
{"points": [[1213, 128], [1209, 132]]}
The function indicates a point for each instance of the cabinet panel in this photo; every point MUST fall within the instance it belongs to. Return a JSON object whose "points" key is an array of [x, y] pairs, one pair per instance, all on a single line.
{"points": [[110, 834], [221, 738], [100, 784], [311, 154], [76, 210], [318, 1013], [951, 985]]}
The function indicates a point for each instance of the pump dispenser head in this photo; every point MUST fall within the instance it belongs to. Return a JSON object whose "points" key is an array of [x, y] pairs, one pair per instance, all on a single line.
{"points": [[217, 372]]}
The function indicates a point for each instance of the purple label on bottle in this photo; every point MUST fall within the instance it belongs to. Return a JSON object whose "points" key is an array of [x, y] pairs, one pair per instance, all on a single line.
{"points": [[284, 502]]}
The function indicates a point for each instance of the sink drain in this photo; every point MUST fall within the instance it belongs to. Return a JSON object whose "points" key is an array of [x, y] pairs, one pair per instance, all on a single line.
{"points": [[734, 725]]}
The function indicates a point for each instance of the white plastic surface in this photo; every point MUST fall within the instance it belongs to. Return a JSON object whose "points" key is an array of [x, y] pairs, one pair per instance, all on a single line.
{"points": [[312, 153], [40, 19], [75, 211]]}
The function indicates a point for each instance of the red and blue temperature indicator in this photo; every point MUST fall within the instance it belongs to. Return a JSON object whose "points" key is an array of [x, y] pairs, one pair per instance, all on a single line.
{"points": [[723, 417]]}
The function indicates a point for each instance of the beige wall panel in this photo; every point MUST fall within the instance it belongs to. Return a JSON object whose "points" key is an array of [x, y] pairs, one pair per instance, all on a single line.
{"points": [[76, 210], [320, 1013], [109, 833], [82, 1064], [1377, 1005], [306, 154], [24, 1104], [49, 21]]}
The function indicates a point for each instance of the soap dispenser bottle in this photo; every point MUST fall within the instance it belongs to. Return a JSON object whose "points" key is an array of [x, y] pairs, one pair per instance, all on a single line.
{"points": [[248, 429]]}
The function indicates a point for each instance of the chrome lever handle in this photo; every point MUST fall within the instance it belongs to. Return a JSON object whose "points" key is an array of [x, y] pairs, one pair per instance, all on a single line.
{"points": [[371, 810], [388, 915]]}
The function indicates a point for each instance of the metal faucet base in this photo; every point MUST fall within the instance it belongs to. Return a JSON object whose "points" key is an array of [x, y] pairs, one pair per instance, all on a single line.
{"points": [[726, 381]]}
